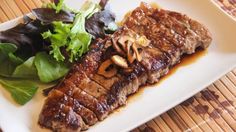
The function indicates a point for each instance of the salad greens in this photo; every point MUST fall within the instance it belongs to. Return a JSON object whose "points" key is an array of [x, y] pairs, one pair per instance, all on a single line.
{"points": [[8, 60], [21, 91], [42, 66], [57, 6], [72, 37], [26, 70], [44, 49], [48, 68], [58, 39], [48, 15]]}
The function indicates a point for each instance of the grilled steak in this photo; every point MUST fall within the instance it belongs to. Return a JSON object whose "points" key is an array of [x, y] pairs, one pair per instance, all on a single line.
{"points": [[150, 42]]}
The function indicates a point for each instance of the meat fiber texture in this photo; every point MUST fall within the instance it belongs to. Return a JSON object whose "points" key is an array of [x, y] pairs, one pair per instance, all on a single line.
{"points": [[84, 97]]}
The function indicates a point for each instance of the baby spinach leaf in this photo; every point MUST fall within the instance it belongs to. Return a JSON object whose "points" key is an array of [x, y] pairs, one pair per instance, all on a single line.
{"points": [[6, 48], [7, 68], [48, 68], [26, 70], [21, 91], [8, 61], [15, 59]]}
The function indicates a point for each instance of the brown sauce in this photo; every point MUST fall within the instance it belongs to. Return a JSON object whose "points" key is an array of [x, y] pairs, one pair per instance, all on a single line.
{"points": [[185, 61]]}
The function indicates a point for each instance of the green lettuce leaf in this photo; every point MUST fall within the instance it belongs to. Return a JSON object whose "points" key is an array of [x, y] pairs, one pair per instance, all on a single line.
{"points": [[79, 45], [21, 91], [89, 8], [8, 61], [6, 48], [15, 59], [56, 6], [58, 39], [7, 68], [26, 70], [48, 68], [72, 37]]}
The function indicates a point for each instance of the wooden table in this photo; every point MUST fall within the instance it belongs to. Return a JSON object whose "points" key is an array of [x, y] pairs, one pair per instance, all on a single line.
{"points": [[213, 109]]}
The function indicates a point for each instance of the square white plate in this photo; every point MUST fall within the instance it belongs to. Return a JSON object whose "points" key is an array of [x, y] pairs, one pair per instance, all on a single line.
{"points": [[187, 80]]}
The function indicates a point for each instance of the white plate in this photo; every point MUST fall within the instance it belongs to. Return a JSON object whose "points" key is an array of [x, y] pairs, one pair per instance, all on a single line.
{"points": [[187, 81]]}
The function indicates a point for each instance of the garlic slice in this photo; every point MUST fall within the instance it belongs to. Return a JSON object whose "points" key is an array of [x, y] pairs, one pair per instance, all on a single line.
{"points": [[120, 61], [143, 41]]}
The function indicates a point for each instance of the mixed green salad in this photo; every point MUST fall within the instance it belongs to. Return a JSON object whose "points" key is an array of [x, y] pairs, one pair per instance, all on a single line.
{"points": [[43, 49]]}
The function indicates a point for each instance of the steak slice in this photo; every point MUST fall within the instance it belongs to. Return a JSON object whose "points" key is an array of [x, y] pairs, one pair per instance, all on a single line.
{"points": [[59, 116], [161, 37], [129, 84], [86, 96], [105, 82], [196, 27], [87, 115], [88, 92]]}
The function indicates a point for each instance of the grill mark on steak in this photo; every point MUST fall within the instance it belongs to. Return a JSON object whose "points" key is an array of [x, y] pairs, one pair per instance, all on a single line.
{"points": [[93, 104], [88, 116], [84, 83], [198, 28], [85, 97], [155, 62], [160, 36], [87, 100], [105, 82], [129, 84], [81, 77], [190, 40], [58, 116]]}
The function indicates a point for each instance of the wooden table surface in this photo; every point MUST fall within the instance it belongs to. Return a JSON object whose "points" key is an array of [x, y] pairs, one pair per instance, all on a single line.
{"points": [[213, 109]]}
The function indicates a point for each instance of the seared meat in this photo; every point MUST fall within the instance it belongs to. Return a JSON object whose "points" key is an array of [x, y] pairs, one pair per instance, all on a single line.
{"points": [[171, 32], [86, 95], [58, 113]]}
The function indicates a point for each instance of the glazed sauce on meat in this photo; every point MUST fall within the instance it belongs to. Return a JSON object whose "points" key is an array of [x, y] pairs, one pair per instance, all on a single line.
{"points": [[185, 61], [153, 5]]}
